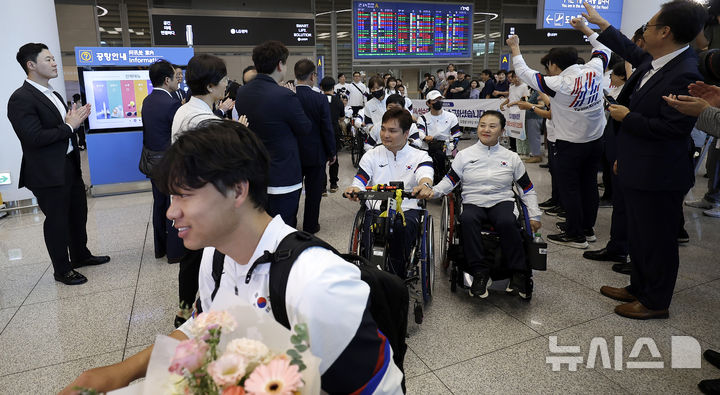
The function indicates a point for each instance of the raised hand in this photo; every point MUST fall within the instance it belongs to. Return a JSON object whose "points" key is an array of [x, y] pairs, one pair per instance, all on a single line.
{"points": [[513, 41], [243, 120], [594, 17]]}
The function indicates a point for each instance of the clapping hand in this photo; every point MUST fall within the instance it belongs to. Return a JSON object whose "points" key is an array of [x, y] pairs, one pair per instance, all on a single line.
{"points": [[687, 105], [710, 93], [226, 105], [243, 120], [77, 115]]}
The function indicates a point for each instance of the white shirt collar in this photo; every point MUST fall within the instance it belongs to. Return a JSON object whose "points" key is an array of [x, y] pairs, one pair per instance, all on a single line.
{"points": [[39, 87], [164, 90], [658, 63]]}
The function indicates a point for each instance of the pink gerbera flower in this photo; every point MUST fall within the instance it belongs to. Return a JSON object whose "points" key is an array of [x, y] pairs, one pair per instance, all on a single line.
{"points": [[276, 378]]}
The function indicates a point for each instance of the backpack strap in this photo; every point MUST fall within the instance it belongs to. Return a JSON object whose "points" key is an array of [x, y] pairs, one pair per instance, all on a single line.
{"points": [[217, 271], [283, 259]]}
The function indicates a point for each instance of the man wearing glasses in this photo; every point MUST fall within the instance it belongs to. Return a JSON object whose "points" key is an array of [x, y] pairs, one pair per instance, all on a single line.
{"points": [[654, 150]]}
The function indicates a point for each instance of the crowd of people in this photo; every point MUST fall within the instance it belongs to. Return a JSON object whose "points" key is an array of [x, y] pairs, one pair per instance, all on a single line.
{"points": [[228, 170]]}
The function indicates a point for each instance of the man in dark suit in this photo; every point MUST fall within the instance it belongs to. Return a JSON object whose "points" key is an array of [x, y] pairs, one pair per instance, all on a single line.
{"points": [[178, 93], [50, 165], [158, 110], [276, 116], [654, 150], [318, 147]]}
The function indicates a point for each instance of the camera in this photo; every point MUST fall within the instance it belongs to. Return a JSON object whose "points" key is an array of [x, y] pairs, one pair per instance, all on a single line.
{"points": [[709, 66]]}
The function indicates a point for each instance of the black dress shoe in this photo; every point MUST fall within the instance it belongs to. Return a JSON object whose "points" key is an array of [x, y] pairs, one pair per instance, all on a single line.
{"points": [[174, 260], [71, 278], [92, 261], [604, 255], [710, 387], [622, 268], [548, 204], [683, 236], [713, 357]]}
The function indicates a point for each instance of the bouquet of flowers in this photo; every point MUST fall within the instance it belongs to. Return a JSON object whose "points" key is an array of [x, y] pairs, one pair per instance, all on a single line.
{"points": [[231, 356], [246, 366]]}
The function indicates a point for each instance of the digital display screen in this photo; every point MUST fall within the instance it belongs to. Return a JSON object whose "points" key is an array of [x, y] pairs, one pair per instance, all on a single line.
{"points": [[386, 30], [187, 30], [556, 14], [116, 97], [530, 35]]}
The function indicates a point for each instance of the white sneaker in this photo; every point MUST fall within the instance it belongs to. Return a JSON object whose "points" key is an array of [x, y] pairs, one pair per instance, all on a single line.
{"points": [[713, 212], [701, 203]]}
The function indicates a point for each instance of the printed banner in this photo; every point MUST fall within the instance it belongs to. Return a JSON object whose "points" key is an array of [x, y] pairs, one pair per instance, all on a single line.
{"points": [[468, 111], [515, 122]]}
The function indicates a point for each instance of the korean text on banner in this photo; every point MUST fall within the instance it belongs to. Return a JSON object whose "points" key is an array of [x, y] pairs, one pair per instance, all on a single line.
{"points": [[468, 111]]}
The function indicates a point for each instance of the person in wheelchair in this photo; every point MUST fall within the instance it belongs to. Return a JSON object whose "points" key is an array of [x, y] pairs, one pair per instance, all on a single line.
{"points": [[487, 171], [395, 160], [439, 130], [373, 135]]}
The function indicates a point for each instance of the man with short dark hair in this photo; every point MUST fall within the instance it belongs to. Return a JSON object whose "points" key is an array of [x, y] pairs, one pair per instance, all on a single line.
{"points": [[356, 94], [217, 204], [337, 115], [179, 93], [50, 166], [317, 147], [460, 89], [159, 109], [654, 150], [248, 74], [275, 114], [575, 93], [395, 160], [487, 78]]}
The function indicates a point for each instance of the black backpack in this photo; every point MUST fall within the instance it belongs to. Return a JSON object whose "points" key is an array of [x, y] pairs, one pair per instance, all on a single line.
{"points": [[389, 298]]}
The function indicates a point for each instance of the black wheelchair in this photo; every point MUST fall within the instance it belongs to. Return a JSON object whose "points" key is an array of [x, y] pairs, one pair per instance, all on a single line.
{"points": [[453, 256], [374, 246]]}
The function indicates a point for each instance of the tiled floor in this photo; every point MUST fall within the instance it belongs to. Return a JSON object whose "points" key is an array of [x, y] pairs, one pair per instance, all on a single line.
{"points": [[50, 332]]}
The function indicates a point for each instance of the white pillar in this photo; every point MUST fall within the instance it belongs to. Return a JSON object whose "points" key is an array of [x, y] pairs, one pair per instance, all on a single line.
{"points": [[637, 12], [24, 21]]}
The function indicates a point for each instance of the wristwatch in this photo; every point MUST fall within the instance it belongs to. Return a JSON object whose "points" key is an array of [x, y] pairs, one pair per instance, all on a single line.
{"points": [[533, 108]]}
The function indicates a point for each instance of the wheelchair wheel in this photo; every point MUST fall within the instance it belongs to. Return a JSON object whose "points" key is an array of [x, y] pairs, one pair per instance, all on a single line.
{"points": [[427, 259], [454, 274], [446, 229], [355, 236], [357, 149]]}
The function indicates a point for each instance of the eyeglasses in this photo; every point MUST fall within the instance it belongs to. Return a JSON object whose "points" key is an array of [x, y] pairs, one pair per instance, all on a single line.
{"points": [[645, 26]]}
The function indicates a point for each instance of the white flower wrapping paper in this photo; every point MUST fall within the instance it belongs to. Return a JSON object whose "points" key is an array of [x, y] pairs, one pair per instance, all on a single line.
{"points": [[251, 325]]}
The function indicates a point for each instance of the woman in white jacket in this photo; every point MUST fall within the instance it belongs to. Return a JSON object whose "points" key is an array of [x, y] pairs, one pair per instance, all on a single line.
{"points": [[487, 172]]}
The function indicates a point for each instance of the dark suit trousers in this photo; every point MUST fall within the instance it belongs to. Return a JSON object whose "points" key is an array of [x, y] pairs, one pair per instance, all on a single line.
{"points": [[618, 243], [164, 234], [653, 221], [285, 205], [315, 179], [503, 219], [576, 175], [65, 209]]}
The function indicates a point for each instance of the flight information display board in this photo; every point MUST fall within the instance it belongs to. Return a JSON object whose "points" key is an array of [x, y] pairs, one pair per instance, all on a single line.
{"points": [[230, 30], [386, 30], [556, 14]]}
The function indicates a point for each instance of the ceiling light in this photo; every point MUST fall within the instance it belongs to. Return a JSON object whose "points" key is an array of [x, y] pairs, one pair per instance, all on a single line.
{"points": [[103, 11], [118, 29], [140, 33]]}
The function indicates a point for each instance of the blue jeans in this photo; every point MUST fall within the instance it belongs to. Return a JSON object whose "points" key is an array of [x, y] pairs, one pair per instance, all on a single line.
{"points": [[533, 129]]}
